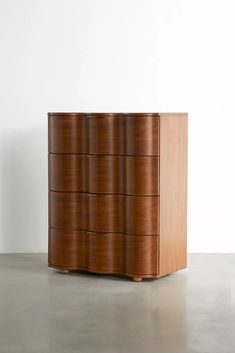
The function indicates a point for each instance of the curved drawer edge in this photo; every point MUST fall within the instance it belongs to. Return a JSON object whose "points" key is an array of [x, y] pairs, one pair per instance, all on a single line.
{"points": [[84, 269], [103, 253]]}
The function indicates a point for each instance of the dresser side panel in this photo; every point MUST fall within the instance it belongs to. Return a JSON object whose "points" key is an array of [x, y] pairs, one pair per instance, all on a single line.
{"points": [[173, 193]]}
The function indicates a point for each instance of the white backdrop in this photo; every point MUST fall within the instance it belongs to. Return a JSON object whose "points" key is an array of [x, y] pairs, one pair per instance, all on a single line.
{"points": [[117, 55]]}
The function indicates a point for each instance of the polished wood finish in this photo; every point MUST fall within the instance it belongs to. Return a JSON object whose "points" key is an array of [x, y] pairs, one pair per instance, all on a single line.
{"points": [[136, 180], [142, 255], [104, 213], [66, 210], [67, 248], [104, 174], [142, 134], [137, 215], [103, 252], [66, 133], [117, 190], [67, 172], [142, 215], [105, 133], [173, 193]]}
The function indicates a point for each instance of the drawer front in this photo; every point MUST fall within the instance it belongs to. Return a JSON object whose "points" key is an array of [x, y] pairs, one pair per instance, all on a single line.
{"points": [[105, 133], [142, 134], [141, 255], [134, 215], [141, 175], [107, 253], [142, 215], [67, 172], [104, 174], [67, 248], [66, 210], [66, 133], [105, 213]]}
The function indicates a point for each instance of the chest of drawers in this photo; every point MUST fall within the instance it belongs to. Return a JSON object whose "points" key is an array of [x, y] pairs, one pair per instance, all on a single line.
{"points": [[118, 193]]}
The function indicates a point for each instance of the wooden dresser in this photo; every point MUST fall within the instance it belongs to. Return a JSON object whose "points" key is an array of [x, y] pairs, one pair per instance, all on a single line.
{"points": [[118, 193]]}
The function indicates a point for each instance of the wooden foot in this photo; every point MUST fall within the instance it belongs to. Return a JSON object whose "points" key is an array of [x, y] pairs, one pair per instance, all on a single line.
{"points": [[63, 271], [137, 279]]}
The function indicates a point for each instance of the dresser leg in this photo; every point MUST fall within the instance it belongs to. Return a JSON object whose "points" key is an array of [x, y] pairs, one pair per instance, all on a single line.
{"points": [[61, 270], [137, 278]]}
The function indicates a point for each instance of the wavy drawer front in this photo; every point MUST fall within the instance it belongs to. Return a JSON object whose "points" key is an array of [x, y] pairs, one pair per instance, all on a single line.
{"points": [[104, 174], [104, 192], [141, 255], [141, 175], [142, 215], [142, 134], [105, 253], [67, 210], [67, 248], [66, 132], [105, 133], [105, 213], [137, 215], [67, 172]]}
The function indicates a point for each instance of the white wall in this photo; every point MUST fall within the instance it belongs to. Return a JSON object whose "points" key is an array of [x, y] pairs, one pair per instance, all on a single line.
{"points": [[117, 55]]}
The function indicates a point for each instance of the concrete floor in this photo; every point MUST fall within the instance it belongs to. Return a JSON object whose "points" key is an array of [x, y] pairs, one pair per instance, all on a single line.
{"points": [[42, 311]]}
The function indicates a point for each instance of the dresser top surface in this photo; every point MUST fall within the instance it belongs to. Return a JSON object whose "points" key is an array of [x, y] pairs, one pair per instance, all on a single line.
{"points": [[150, 114]]}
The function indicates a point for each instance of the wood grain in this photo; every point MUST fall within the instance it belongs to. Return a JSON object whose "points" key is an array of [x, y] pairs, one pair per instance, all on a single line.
{"points": [[142, 255], [66, 210], [141, 134], [67, 248], [104, 213], [142, 215], [105, 133], [104, 174], [173, 193], [125, 214], [67, 172], [141, 175], [66, 133], [118, 193], [103, 252], [130, 175]]}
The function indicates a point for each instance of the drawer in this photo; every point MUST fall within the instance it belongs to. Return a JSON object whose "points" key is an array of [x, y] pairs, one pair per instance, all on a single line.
{"points": [[142, 215], [67, 248], [66, 132], [67, 210], [107, 253], [142, 134], [104, 174], [67, 172], [105, 133], [136, 215], [105, 213], [141, 175]]}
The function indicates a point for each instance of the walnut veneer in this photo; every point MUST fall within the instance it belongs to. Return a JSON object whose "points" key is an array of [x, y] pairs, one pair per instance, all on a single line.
{"points": [[118, 193]]}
